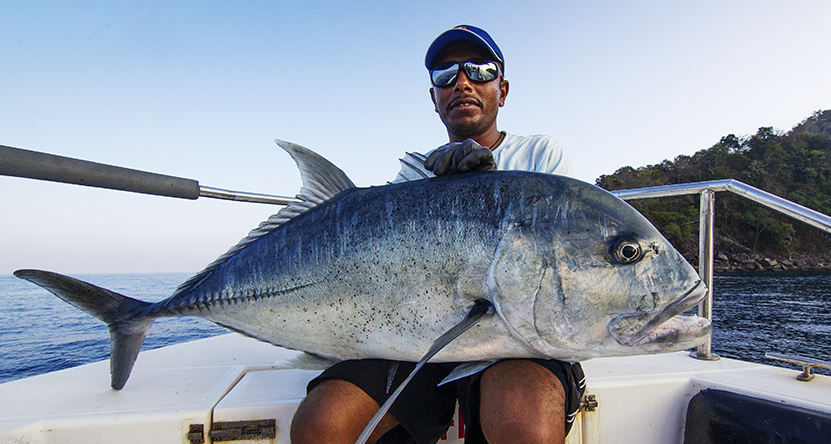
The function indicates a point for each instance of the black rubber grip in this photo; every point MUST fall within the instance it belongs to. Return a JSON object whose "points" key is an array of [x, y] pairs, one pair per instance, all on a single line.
{"points": [[18, 162]]}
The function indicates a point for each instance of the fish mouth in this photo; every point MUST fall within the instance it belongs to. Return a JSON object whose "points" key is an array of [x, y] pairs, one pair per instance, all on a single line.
{"points": [[663, 327]]}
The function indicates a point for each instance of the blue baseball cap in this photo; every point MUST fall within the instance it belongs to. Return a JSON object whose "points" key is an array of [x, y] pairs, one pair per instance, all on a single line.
{"points": [[463, 33]]}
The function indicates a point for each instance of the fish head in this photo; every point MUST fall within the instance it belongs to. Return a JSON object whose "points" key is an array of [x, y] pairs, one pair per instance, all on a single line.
{"points": [[579, 273]]}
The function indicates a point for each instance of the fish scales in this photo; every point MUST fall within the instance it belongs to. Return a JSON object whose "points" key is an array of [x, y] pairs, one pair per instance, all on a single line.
{"points": [[371, 268]]}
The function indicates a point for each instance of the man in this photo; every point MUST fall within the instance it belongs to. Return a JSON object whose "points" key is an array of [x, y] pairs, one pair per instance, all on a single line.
{"points": [[527, 401]]}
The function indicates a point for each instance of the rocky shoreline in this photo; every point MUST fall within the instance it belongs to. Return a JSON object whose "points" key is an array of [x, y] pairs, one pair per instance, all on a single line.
{"points": [[755, 262], [733, 257]]}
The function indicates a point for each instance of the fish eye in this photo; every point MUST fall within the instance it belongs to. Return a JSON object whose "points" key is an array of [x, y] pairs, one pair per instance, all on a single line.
{"points": [[626, 251]]}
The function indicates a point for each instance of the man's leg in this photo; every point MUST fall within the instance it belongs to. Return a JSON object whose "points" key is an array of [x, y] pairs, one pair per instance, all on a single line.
{"points": [[521, 401], [336, 411]]}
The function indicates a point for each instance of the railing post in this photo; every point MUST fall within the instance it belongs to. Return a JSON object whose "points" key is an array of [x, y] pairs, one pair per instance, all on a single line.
{"points": [[705, 268]]}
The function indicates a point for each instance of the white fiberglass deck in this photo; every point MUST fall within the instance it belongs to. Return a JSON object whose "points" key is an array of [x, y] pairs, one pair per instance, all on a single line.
{"points": [[233, 378]]}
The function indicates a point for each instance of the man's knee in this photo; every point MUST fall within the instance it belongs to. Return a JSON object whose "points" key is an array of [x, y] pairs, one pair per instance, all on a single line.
{"points": [[526, 430], [333, 410], [522, 401], [336, 411]]}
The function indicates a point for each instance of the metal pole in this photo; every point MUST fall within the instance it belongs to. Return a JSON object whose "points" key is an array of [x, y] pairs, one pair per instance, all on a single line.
{"points": [[241, 196], [705, 268]]}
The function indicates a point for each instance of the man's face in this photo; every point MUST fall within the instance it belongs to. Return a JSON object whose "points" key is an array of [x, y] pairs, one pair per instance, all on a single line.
{"points": [[466, 108]]}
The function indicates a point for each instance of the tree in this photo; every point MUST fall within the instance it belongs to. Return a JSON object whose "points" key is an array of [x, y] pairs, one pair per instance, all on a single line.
{"points": [[795, 165]]}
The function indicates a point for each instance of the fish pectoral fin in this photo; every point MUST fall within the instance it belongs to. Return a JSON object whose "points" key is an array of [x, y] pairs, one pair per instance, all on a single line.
{"points": [[391, 374], [310, 361], [466, 369], [481, 308], [119, 312]]}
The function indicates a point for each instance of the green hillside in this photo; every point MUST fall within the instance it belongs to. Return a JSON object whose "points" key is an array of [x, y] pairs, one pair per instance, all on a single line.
{"points": [[795, 165]]}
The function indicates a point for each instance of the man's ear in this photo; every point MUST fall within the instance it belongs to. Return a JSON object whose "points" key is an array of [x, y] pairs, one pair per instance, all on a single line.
{"points": [[504, 86], [433, 98]]}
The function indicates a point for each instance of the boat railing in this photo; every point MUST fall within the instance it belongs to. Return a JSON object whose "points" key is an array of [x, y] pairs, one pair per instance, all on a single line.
{"points": [[706, 191]]}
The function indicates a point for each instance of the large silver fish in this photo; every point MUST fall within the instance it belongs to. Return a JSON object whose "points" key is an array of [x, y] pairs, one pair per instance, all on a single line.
{"points": [[572, 272]]}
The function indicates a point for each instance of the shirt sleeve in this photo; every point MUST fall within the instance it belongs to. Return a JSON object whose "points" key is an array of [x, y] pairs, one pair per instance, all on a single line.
{"points": [[537, 153], [553, 159]]}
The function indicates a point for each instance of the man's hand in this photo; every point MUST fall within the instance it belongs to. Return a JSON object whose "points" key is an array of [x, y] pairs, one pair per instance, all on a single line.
{"points": [[460, 157]]}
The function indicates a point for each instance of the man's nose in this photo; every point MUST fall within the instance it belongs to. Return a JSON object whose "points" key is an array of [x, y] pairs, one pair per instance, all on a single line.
{"points": [[463, 82]]}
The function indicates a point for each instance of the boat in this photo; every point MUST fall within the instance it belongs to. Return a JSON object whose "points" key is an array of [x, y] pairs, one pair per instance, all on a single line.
{"points": [[231, 388]]}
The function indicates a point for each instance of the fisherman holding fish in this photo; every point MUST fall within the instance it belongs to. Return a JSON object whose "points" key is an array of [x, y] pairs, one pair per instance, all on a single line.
{"points": [[486, 272], [522, 400]]}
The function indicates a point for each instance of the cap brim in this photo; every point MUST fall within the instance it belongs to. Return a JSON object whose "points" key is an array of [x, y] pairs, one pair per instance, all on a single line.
{"points": [[456, 35]]}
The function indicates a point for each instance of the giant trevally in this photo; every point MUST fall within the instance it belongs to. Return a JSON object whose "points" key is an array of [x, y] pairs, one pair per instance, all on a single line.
{"points": [[572, 272]]}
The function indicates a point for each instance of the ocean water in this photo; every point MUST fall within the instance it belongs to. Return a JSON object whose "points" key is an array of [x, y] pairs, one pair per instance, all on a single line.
{"points": [[753, 313], [785, 312]]}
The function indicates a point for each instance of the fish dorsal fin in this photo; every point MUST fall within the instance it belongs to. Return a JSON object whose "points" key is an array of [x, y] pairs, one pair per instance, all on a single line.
{"points": [[321, 180], [412, 168]]}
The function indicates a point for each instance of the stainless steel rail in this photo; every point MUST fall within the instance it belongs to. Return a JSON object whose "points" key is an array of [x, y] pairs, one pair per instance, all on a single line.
{"points": [[772, 201], [242, 196], [707, 191]]}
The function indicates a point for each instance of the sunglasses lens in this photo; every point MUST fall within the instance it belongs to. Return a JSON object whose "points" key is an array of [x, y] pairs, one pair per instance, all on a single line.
{"points": [[444, 76], [481, 71], [477, 71]]}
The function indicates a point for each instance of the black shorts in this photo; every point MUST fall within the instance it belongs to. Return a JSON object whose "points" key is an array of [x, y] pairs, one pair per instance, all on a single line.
{"points": [[425, 409]]}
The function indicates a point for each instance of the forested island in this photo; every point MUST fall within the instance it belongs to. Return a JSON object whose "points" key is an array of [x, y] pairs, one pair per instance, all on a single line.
{"points": [[795, 165]]}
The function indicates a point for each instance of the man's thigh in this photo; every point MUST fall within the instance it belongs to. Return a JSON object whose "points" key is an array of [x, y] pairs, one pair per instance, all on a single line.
{"points": [[522, 401], [423, 409], [536, 396]]}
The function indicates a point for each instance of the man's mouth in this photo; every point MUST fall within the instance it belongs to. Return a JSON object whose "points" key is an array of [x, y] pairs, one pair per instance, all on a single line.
{"points": [[464, 103]]}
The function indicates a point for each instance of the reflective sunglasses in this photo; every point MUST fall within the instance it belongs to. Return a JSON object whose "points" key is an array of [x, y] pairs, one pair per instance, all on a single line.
{"points": [[479, 71]]}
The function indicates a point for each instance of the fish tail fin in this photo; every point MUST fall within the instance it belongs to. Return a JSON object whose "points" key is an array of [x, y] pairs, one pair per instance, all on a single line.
{"points": [[126, 339], [121, 314]]}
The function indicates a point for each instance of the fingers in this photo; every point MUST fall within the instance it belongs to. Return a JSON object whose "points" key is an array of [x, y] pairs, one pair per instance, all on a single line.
{"points": [[480, 159], [439, 160], [433, 157], [460, 157]]}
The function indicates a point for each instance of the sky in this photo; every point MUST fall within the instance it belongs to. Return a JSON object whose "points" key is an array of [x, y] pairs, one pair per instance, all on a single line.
{"points": [[200, 90]]}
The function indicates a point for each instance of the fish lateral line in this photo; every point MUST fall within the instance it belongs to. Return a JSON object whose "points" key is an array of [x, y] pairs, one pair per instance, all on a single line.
{"points": [[209, 301]]}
